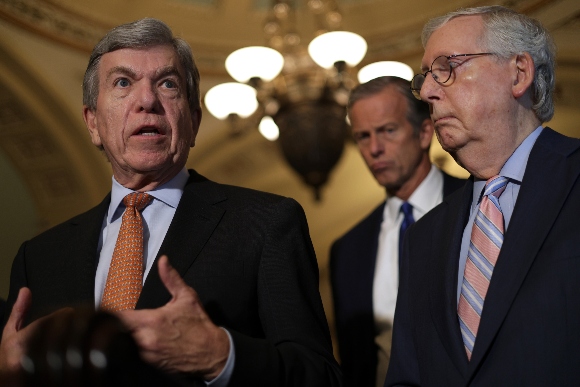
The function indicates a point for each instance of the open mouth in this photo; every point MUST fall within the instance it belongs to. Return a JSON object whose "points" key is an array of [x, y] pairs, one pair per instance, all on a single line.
{"points": [[148, 132]]}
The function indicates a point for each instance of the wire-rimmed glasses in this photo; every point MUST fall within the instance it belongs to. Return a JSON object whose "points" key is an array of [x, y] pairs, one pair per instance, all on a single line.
{"points": [[440, 70]]}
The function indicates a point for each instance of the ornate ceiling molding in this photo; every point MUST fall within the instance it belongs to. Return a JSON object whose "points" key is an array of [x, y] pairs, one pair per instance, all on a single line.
{"points": [[405, 42], [53, 22]]}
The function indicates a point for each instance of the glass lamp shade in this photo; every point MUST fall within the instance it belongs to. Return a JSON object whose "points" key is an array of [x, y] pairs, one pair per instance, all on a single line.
{"points": [[312, 137], [269, 129], [386, 68], [336, 46], [231, 98], [249, 62]]}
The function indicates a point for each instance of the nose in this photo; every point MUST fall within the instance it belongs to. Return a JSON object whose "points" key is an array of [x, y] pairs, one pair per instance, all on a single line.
{"points": [[376, 145], [430, 90], [147, 99]]}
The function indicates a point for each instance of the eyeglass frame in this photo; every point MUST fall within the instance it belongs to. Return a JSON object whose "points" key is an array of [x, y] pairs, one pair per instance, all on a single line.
{"points": [[417, 92]]}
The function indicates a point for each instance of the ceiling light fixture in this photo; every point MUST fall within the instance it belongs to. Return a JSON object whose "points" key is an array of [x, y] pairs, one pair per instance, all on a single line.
{"points": [[298, 96]]}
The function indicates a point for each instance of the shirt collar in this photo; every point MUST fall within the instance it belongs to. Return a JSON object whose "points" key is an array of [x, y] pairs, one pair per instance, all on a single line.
{"points": [[169, 193], [515, 167], [422, 199]]}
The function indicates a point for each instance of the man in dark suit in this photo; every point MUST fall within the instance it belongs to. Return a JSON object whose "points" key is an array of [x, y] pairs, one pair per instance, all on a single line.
{"points": [[247, 254], [393, 131], [488, 293]]}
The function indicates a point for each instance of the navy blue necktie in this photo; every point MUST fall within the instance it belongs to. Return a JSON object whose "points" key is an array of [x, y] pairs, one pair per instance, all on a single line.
{"points": [[407, 210]]}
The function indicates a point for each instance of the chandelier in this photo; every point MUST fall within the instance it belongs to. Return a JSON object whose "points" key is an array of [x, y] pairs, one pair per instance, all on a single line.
{"points": [[297, 96]]}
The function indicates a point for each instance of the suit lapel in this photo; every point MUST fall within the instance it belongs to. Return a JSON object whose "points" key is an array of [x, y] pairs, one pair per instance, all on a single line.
{"points": [[546, 184], [195, 219], [81, 256], [368, 256], [451, 184], [443, 293]]}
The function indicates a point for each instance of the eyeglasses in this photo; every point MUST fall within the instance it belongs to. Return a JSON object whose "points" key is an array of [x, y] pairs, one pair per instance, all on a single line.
{"points": [[441, 70]]}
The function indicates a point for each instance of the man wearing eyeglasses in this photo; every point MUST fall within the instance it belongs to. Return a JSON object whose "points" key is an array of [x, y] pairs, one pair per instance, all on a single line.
{"points": [[488, 292]]}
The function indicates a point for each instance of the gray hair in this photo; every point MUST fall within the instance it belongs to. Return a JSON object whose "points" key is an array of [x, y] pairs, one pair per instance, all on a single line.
{"points": [[146, 32], [417, 110], [509, 33]]}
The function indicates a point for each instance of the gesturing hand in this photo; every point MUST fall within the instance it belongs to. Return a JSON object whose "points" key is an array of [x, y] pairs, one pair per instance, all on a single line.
{"points": [[14, 338], [179, 336]]}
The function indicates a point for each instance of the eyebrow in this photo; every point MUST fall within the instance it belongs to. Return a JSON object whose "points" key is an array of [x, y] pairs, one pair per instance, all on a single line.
{"points": [[159, 73], [424, 68], [168, 70], [121, 70]]}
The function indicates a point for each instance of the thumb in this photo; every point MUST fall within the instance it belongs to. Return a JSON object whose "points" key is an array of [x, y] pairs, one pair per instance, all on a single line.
{"points": [[19, 310], [170, 277]]}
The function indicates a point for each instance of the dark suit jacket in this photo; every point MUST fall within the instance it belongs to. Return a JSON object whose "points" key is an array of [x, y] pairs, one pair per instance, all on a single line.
{"points": [[529, 334], [248, 255], [352, 270]]}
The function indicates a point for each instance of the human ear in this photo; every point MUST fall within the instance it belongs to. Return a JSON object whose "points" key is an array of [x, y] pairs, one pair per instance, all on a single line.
{"points": [[524, 71], [90, 118]]}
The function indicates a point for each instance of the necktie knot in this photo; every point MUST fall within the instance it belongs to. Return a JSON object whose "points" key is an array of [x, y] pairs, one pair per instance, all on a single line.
{"points": [[407, 209], [495, 186], [138, 200]]}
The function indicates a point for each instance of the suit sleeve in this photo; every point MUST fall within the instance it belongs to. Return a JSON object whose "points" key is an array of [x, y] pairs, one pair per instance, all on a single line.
{"points": [[403, 366], [296, 350]]}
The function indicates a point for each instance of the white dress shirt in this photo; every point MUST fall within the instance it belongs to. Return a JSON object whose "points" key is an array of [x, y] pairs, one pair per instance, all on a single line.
{"points": [[386, 280]]}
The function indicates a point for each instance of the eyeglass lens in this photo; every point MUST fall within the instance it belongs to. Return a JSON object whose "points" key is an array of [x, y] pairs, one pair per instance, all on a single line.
{"points": [[440, 70]]}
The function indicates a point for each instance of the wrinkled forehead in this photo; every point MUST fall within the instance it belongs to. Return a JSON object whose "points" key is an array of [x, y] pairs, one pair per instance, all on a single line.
{"points": [[460, 35], [151, 53], [152, 60]]}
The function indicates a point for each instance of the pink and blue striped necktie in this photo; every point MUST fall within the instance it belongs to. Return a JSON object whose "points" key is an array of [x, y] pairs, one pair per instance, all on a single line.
{"points": [[484, 247]]}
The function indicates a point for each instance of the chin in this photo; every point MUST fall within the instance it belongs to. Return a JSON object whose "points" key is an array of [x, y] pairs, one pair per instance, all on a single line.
{"points": [[447, 141], [449, 148], [390, 184]]}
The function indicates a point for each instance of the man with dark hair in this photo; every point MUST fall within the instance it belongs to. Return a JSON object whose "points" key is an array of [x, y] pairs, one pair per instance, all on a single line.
{"points": [[216, 283], [489, 291], [393, 131]]}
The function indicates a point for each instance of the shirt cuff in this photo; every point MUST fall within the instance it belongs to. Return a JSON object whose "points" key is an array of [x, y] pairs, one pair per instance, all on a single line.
{"points": [[223, 379]]}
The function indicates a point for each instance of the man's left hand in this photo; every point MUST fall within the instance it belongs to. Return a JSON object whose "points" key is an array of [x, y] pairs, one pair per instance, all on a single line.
{"points": [[179, 336]]}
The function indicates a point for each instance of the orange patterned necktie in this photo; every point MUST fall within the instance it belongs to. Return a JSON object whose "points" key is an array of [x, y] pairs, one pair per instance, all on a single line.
{"points": [[125, 278]]}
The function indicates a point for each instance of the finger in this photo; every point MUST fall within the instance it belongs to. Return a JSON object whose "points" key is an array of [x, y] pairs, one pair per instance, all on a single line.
{"points": [[26, 333], [170, 277], [131, 319], [19, 310], [141, 325]]}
